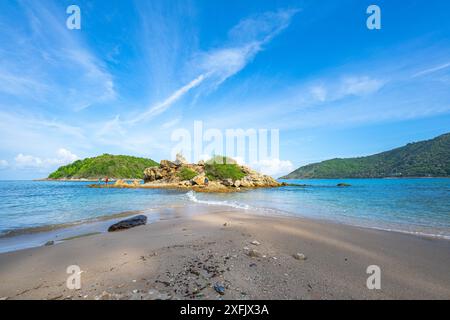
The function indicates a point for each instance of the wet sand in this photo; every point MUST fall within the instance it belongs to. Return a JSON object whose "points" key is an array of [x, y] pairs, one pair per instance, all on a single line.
{"points": [[184, 257]]}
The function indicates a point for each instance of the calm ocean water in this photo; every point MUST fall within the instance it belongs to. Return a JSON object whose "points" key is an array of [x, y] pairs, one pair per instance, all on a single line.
{"points": [[419, 206]]}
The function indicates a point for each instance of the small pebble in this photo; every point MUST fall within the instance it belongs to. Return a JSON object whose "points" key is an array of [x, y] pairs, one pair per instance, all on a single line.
{"points": [[299, 256], [254, 253]]}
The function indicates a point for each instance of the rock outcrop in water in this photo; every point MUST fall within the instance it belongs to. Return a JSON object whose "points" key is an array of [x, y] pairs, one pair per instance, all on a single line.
{"points": [[207, 175], [220, 174]]}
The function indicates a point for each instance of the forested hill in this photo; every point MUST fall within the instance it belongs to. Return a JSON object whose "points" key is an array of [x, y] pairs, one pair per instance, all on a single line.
{"points": [[430, 158], [112, 166]]}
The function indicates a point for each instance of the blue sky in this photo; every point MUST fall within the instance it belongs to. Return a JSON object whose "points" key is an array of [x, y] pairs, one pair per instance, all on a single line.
{"points": [[138, 70]]}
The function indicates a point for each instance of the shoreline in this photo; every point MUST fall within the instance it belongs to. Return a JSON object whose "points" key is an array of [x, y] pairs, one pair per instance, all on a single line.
{"points": [[177, 186], [115, 264], [54, 227], [37, 236]]}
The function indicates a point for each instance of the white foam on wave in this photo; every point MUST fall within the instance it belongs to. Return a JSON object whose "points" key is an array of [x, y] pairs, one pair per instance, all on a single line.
{"points": [[415, 233], [191, 196]]}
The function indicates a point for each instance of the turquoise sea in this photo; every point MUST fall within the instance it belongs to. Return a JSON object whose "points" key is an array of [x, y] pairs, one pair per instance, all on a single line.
{"points": [[417, 206]]}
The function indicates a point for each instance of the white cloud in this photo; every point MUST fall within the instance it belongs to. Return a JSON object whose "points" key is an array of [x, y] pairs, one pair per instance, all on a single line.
{"points": [[319, 93], [223, 63], [3, 164], [360, 86], [274, 167], [239, 160], [271, 167], [63, 157], [262, 27], [27, 161], [326, 90]]}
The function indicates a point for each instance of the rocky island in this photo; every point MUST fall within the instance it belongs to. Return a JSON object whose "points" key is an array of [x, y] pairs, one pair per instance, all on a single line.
{"points": [[220, 174]]}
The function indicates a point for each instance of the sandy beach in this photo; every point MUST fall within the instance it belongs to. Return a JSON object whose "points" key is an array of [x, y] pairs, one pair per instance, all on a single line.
{"points": [[184, 257]]}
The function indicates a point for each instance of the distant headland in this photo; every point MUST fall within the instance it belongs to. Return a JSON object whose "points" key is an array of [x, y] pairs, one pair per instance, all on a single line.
{"points": [[430, 158]]}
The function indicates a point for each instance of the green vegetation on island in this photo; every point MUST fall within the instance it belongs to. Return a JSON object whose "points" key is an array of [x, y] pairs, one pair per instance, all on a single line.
{"points": [[217, 171], [106, 165], [221, 167], [430, 158], [187, 174], [221, 160]]}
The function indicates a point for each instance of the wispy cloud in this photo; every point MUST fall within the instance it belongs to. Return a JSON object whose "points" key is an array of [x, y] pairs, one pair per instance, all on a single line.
{"points": [[30, 132], [14, 84], [246, 40], [337, 89], [360, 86], [43, 61], [215, 66], [171, 123], [356, 94], [163, 106], [98, 84], [431, 70]]}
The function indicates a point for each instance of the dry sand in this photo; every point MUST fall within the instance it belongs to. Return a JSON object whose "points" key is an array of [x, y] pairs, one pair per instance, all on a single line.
{"points": [[183, 258]]}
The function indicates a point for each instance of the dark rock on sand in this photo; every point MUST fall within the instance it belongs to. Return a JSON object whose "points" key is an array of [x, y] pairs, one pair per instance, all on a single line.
{"points": [[128, 223], [49, 243], [219, 288]]}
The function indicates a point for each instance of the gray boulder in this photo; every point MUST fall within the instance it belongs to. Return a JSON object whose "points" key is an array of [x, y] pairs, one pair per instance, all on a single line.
{"points": [[128, 223]]}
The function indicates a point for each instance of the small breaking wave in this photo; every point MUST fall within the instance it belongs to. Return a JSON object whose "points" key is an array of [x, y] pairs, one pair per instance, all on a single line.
{"points": [[191, 196]]}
